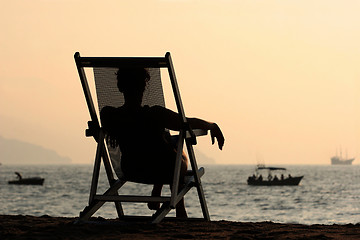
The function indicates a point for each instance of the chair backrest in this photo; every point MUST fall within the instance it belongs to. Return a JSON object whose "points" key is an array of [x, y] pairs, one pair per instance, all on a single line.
{"points": [[108, 94]]}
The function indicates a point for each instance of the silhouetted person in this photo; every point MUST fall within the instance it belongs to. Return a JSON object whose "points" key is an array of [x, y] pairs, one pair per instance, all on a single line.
{"points": [[290, 176], [276, 178], [260, 178], [19, 177], [269, 177], [282, 176], [148, 153]]}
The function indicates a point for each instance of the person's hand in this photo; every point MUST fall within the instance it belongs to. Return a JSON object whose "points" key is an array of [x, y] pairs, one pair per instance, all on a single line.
{"points": [[112, 141], [215, 132]]}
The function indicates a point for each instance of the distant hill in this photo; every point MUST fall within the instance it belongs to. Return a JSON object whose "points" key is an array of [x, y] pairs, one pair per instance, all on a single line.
{"points": [[201, 158], [18, 152]]}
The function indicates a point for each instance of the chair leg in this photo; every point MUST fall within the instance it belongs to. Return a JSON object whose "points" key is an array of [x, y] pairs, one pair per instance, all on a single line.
{"points": [[176, 177], [95, 204], [111, 180], [203, 202], [96, 171], [199, 188], [160, 214]]}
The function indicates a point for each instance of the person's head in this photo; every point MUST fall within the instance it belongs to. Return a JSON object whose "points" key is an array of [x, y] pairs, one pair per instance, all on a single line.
{"points": [[132, 80]]}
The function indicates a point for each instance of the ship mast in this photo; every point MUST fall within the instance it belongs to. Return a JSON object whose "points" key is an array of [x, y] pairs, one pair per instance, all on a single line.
{"points": [[341, 153]]}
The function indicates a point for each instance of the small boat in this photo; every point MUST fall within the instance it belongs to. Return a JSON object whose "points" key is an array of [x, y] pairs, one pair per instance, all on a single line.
{"points": [[27, 181], [257, 179]]}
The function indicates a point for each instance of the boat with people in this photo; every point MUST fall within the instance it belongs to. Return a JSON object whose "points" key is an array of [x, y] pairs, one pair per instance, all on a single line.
{"points": [[272, 179], [27, 181]]}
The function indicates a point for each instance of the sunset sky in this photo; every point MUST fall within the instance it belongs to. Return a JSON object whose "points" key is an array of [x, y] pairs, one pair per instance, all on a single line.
{"points": [[281, 78]]}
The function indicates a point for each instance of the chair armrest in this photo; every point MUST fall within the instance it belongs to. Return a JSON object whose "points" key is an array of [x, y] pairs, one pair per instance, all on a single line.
{"points": [[93, 130], [197, 132]]}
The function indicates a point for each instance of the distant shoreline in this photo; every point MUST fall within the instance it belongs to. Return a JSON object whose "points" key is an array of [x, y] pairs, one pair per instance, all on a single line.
{"points": [[45, 227]]}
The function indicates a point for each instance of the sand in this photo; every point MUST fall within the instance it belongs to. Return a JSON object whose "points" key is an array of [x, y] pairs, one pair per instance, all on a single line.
{"points": [[46, 227]]}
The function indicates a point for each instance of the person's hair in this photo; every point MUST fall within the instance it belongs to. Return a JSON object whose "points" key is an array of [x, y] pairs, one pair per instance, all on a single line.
{"points": [[132, 79]]}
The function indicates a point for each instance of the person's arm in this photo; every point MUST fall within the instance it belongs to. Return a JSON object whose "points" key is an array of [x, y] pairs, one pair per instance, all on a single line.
{"points": [[109, 125], [106, 117], [171, 120], [215, 131]]}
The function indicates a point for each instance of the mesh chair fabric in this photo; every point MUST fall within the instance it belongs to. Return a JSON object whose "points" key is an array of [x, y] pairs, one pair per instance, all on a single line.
{"points": [[108, 93]]}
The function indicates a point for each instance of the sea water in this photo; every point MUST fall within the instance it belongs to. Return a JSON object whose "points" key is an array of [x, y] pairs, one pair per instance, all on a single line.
{"points": [[326, 195]]}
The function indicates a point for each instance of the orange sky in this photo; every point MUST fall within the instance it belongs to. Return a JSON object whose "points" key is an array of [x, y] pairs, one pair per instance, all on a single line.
{"points": [[280, 77]]}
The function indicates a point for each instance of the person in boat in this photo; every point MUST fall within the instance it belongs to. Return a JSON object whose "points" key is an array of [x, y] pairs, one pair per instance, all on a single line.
{"points": [[275, 178], [148, 152], [282, 176], [269, 177], [260, 178], [253, 177], [290, 175], [18, 176]]}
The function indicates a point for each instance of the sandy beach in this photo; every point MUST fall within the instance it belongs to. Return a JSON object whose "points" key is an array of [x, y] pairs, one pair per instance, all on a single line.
{"points": [[46, 227]]}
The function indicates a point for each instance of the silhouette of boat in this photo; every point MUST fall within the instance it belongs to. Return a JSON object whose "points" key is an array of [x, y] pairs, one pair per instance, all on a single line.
{"points": [[257, 179], [339, 160], [336, 160], [27, 181]]}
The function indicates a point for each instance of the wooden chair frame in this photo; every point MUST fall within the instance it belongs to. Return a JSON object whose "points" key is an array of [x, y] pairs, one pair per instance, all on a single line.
{"points": [[186, 136]]}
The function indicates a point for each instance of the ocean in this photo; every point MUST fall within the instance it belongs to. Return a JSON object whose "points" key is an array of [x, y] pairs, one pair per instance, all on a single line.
{"points": [[326, 195]]}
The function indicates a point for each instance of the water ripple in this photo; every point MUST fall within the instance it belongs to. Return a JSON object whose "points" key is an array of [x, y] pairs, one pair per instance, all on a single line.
{"points": [[327, 194]]}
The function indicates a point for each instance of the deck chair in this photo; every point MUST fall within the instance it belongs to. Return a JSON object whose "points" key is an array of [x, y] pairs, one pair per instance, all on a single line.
{"points": [[104, 69]]}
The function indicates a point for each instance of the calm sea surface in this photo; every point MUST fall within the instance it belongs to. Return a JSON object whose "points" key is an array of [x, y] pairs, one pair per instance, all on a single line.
{"points": [[326, 195]]}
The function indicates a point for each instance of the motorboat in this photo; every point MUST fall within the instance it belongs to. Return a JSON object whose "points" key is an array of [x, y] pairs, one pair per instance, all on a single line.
{"points": [[27, 181], [272, 178]]}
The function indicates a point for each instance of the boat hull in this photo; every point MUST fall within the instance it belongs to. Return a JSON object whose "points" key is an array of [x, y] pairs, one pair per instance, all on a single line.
{"points": [[285, 182], [338, 161], [28, 181]]}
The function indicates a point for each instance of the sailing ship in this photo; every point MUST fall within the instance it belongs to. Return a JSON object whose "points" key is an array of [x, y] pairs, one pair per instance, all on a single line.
{"points": [[339, 160], [336, 160]]}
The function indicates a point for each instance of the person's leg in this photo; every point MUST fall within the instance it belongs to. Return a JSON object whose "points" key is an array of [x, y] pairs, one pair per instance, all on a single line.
{"points": [[180, 209], [156, 192]]}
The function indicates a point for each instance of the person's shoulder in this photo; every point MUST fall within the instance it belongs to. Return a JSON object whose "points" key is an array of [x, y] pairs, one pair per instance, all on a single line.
{"points": [[110, 111], [107, 109], [156, 109]]}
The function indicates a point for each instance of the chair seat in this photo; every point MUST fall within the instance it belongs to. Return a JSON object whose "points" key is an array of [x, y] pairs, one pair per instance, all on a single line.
{"points": [[188, 177], [131, 198]]}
